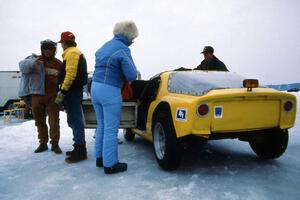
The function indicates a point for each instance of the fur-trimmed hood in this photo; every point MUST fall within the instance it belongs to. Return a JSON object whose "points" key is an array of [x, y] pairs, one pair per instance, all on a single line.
{"points": [[126, 28]]}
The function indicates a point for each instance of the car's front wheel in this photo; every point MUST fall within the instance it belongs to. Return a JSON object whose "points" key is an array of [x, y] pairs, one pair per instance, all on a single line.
{"points": [[165, 143], [271, 145]]}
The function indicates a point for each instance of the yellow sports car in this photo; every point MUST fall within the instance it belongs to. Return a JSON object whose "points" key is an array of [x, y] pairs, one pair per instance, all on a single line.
{"points": [[178, 106]]}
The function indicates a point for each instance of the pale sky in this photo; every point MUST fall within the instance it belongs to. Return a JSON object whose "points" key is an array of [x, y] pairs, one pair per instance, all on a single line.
{"points": [[254, 38]]}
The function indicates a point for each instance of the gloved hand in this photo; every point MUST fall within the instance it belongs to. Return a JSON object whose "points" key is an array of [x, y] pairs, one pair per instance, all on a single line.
{"points": [[59, 99]]}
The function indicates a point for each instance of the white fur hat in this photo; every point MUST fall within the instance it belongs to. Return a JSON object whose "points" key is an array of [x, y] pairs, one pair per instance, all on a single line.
{"points": [[126, 28]]}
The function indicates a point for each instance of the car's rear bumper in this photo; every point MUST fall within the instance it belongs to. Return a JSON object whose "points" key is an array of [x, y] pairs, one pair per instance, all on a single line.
{"points": [[241, 112]]}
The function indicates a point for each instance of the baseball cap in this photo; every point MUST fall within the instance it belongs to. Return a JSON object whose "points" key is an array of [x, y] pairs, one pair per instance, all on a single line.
{"points": [[66, 36], [208, 49]]}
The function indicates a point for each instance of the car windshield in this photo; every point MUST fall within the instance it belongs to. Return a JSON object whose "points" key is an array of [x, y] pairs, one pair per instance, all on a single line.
{"points": [[200, 82]]}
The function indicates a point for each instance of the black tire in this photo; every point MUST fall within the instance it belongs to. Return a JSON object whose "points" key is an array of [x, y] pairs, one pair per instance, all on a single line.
{"points": [[128, 135], [271, 145], [165, 143]]}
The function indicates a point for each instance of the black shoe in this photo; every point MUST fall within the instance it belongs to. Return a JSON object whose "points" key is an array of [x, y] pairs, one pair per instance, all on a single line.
{"points": [[78, 154], [99, 162], [55, 148], [42, 147], [69, 153], [119, 167]]}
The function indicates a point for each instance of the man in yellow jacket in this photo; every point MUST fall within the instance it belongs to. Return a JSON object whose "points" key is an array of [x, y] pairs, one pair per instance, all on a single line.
{"points": [[70, 94]]}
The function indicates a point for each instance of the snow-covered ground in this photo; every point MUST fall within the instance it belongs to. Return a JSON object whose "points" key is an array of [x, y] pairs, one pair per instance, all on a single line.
{"points": [[226, 169]]}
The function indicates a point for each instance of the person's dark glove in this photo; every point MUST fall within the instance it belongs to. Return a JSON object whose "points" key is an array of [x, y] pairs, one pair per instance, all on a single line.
{"points": [[59, 99]]}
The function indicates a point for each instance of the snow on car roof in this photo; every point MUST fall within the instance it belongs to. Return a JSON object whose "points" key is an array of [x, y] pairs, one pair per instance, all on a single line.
{"points": [[198, 82]]}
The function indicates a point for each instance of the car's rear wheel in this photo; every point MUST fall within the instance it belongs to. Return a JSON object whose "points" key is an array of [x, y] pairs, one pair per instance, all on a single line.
{"points": [[165, 143], [271, 145], [128, 134]]}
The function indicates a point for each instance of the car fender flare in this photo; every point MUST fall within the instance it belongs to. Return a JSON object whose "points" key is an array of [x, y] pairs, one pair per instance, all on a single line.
{"points": [[162, 106]]}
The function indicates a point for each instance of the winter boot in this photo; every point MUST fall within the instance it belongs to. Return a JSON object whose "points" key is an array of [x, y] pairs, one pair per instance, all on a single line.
{"points": [[78, 154], [55, 148], [119, 167], [99, 162], [68, 153], [42, 147]]}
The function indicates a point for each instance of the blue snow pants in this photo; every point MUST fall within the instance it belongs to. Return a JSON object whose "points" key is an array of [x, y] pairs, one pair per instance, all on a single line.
{"points": [[107, 102]]}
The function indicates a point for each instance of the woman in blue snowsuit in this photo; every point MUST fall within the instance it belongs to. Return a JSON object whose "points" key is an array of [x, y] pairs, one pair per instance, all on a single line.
{"points": [[114, 65]]}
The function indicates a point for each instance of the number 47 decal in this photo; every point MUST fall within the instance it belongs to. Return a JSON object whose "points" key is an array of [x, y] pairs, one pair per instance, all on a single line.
{"points": [[181, 114]]}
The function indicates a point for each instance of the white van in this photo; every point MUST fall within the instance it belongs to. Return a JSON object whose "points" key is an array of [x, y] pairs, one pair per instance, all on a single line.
{"points": [[9, 88]]}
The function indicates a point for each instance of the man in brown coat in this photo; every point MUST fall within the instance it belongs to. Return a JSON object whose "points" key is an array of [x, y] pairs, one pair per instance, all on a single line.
{"points": [[43, 74]]}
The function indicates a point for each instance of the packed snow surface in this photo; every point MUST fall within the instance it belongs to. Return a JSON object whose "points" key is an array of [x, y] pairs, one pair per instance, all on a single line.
{"points": [[225, 169]]}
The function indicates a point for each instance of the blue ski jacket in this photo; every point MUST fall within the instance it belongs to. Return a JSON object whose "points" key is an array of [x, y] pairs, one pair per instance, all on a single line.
{"points": [[114, 63]]}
